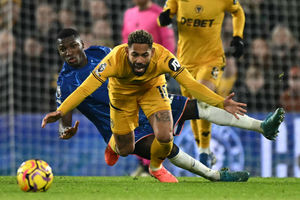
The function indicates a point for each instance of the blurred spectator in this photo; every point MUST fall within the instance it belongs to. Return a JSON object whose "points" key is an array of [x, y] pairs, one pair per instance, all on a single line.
{"points": [[32, 48], [254, 79], [290, 99], [36, 76], [98, 9], [10, 19], [261, 57], [283, 45], [5, 8], [101, 16], [144, 16], [102, 33], [227, 32], [47, 27], [45, 20], [67, 18], [87, 38], [258, 20], [284, 48], [229, 77], [7, 62], [252, 92], [260, 53], [81, 11], [7, 47]]}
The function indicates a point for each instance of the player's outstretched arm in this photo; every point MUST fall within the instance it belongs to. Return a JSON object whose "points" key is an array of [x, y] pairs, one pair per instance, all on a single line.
{"points": [[51, 117], [204, 94], [234, 107]]}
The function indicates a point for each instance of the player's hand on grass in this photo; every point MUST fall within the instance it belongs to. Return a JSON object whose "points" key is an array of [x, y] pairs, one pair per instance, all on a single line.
{"points": [[51, 117], [234, 107], [69, 132]]}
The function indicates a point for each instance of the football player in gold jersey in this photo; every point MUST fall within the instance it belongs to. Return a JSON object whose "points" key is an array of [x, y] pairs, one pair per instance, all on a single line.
{"points": [[136, 79], [200, 48]]}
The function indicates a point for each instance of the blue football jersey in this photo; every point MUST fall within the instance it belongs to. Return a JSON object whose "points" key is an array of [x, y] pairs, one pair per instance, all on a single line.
{"points": [[96, 106]]}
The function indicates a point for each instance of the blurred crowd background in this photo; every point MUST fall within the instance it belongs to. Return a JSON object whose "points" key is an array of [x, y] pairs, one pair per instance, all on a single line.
{"points": [[267, 76]]}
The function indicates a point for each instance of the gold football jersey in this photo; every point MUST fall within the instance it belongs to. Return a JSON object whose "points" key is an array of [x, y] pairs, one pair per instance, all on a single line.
{"points": [[115, 66], [199, 28], [122, 80]]}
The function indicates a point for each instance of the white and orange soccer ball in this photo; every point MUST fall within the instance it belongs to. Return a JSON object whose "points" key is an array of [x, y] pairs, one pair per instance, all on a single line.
{"points": [[34, 175]]}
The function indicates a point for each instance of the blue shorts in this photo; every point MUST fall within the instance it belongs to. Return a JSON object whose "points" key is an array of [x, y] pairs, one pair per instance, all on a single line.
{"points": [[178, 104]]}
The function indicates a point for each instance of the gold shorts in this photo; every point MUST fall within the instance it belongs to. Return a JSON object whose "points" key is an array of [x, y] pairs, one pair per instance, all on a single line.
{"points": [[124, 109]]}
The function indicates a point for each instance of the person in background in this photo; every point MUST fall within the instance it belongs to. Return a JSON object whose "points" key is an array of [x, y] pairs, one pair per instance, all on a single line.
{"points": [[37, 79], [67, 18], [200, 50], [144, 16], [290, 98], [102, 33]]}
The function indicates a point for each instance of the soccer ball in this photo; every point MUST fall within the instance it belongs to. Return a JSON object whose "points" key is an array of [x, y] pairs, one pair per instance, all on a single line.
{"points": [[34, 175]]}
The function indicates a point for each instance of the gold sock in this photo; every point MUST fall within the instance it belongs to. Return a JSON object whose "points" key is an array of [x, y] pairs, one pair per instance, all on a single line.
{"points": [[205, 131], [195, 124], [159, 152]]}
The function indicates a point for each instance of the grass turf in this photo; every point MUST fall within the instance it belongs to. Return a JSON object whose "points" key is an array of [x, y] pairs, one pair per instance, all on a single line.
{"points": [[142, 188]]}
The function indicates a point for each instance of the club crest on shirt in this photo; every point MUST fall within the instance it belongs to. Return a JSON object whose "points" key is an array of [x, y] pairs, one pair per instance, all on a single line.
{"points": [[100, 69], [198, 9], [58, 94], [215, 72], [174, 65]]}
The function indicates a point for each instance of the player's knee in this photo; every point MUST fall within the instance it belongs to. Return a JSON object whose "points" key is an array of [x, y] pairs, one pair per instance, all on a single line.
{"points": [[125, 143], [125, 151], [164, 137]]}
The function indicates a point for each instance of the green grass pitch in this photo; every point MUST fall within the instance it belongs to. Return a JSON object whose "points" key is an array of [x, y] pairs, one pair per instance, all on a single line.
{"points": [[142, 188]]}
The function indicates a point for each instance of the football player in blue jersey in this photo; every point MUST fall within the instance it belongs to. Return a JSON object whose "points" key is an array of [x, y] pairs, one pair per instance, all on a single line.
{"points": [[79, 63]]}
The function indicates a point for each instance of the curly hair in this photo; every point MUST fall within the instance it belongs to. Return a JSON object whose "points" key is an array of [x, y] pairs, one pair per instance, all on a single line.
{"points": [[140, 37]]}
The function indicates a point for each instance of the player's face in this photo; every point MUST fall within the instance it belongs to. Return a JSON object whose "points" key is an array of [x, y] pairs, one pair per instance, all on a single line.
{"points": [[139, 56], [71, 51]]}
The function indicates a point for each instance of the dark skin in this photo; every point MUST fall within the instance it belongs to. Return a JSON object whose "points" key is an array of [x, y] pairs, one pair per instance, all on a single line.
{"points": [[71, 51]]}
